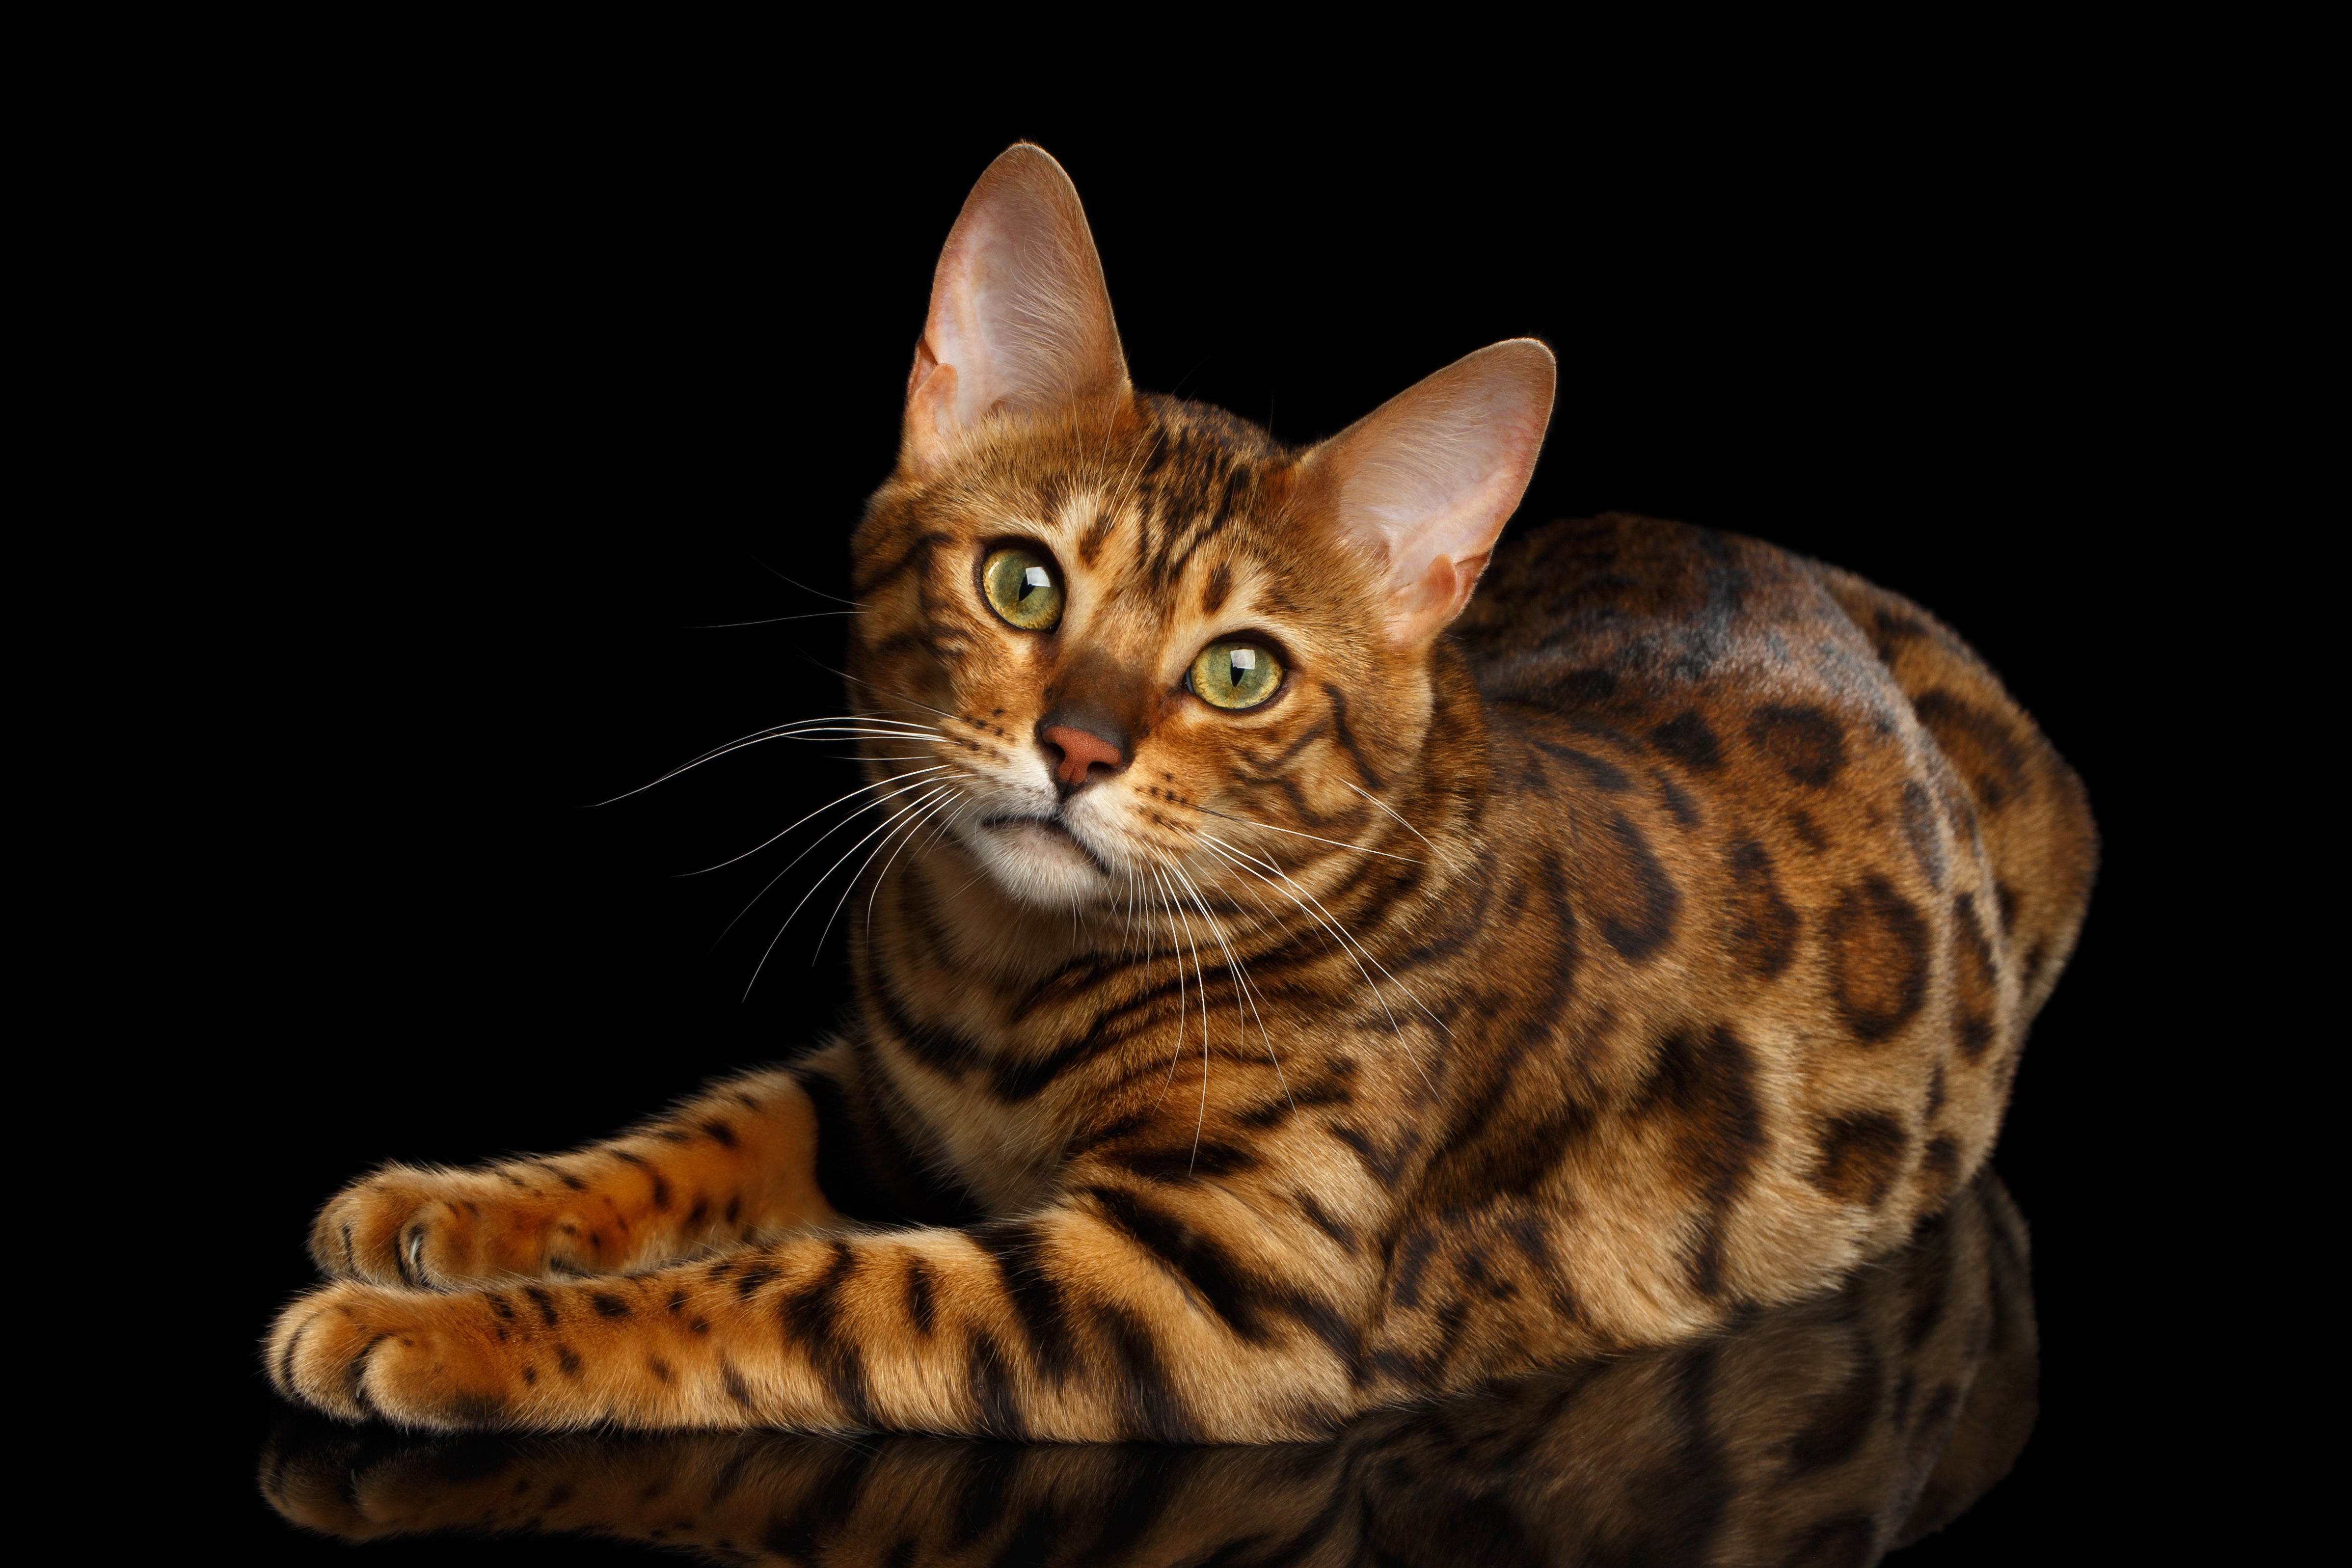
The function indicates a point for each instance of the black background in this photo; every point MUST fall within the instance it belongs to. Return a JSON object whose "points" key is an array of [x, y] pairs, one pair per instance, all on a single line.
{"points": [[490, 411]]}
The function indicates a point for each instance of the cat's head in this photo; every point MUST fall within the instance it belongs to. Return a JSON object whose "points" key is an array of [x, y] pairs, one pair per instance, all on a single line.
{"points": [[1132, 641]]}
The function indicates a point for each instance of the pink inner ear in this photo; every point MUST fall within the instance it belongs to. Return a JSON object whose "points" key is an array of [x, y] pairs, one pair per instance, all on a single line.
{"points": [[1427, 481], [1019, 316]]}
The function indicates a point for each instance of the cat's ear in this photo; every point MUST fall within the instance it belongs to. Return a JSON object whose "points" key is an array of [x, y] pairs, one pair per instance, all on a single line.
{"points": [[1020, 318], [1425, 481]]}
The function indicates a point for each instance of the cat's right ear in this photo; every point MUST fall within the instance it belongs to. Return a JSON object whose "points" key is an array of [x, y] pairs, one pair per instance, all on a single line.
{"points": [[1020, 318]]}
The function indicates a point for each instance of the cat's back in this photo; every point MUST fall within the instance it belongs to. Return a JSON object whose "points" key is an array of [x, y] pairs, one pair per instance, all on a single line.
{"points": [[1763, 675]]}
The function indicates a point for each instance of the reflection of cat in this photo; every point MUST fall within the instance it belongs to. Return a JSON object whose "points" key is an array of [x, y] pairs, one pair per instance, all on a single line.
{"points": [[1820, 1433], [1274, 1006]]}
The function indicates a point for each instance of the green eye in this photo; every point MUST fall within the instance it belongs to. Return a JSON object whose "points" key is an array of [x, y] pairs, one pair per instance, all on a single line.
{"points": [[1023, 587], [1235, 674]]}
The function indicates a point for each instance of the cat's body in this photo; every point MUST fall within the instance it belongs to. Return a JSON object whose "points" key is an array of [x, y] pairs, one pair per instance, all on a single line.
{"points": [[1247, 1040]]}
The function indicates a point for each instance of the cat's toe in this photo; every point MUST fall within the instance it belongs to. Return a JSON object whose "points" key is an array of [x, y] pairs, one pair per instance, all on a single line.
{"points": [[409, 1227], [362, 1352]]}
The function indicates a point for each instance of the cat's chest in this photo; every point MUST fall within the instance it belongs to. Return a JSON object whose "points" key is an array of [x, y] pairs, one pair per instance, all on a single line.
{"points": [[1005, 1155], [995, 1089]]}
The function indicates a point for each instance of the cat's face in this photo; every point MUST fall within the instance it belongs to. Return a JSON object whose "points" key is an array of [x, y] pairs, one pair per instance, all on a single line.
{"points": [[1142, 660], [1119, 649]]}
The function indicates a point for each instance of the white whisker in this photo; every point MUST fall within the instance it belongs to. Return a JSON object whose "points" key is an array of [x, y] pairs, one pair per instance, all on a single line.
{"points": [[1384, 806], [819, 811], [1176, 948], [1201, 979], [885, 872], [820, 883], [770, 621], [794, 729], [1334, 843], [1245, 991], [1347, 945], [944, 799], [1376, 963], [805, 588]]}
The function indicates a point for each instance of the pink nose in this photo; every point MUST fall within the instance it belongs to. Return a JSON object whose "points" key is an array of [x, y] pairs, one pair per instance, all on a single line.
{"points": [[1079, 752]]}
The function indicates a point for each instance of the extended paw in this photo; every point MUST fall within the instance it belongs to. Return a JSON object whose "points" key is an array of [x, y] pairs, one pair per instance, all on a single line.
{"points": [[365, 1352], [432, 1229]]}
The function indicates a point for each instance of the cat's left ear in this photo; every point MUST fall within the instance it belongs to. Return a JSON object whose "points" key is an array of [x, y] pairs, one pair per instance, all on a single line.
{"points": [[1425, 481]]}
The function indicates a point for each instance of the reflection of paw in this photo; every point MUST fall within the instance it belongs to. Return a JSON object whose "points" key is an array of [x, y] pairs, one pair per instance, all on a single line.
{"points": [[427, 1229], [306, 1472], [362, 1352], [364, 1484]]}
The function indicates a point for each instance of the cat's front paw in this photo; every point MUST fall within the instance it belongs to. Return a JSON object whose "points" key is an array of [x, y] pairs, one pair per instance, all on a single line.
{"points": [[429, 1229], [363, 1353]]}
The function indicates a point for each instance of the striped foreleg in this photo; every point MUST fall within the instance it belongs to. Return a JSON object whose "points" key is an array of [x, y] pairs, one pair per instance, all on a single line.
{"points": [[734, 1164], [1116, 1313]]}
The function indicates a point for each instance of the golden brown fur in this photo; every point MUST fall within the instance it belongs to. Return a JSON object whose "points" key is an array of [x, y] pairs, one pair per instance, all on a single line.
{"points": [[1819, 1435], [1656, 945]]}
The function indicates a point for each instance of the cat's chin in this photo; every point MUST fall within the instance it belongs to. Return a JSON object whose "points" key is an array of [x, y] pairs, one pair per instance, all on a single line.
{"points": [[1036, 861]]}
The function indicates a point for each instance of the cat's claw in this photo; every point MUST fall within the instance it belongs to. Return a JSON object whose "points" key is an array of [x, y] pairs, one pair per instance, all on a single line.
{"points": [[430, 1230]]}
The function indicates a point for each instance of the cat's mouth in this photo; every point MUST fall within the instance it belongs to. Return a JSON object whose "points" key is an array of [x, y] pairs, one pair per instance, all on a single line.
{"points": [[1043, 835]]}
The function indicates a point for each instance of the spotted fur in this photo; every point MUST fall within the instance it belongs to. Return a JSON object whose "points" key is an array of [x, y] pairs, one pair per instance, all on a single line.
{"points": [[1819, 1435], [1653, 946]]}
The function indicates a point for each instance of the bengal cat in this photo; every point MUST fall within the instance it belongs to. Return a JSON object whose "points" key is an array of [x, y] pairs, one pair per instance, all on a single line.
{"points": [[1819, 1435], [1271, 1004]]}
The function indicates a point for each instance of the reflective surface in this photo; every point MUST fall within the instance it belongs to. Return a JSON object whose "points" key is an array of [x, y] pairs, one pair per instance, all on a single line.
{"points": [[1827, 1433]]}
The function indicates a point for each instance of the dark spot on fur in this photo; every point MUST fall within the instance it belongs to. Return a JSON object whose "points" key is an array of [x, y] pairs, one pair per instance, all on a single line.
{"points": [[1805, 742], [1689, 741], [1157, 1410], [1702, 1091], [1763, 927], [1860, 1156], [921, 1308], [1972, 970], [608, 1305], [1634, 901], [1878, 959], [1939, 1170]]}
